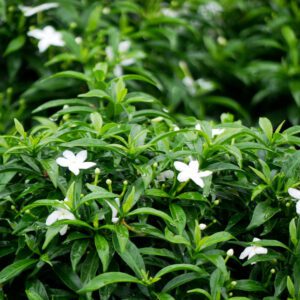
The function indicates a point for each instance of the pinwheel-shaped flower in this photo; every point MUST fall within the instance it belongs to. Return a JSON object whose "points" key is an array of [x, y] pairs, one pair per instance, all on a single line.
{"points": [[253, 250], [29, 11], [295, 194], [191, 171], [47, 37], [74, 162], [60, 214]]}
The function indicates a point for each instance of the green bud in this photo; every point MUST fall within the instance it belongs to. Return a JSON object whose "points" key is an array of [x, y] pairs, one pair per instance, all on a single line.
{"points": [[97, 171]]}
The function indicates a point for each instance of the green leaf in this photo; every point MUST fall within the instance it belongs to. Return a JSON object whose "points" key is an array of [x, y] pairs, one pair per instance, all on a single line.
{"points": [[105, 279], [67, 276], [157, 193], [122, 235], [180, 280], [293, 232], [200, 291], [213, 239], [179, 217], [249, 286], [14, 45], [178, 267], [151, 211], [192, 196], [96, 94], [77, 251], [70, 74], [99, 195], [262, 213], [129, 201], [20, 128], [15, 269], [164, 296], [102, 248], [97, 121], [267, 127]]}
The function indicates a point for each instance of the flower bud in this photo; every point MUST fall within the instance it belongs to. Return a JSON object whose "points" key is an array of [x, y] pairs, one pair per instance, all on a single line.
{"points": [[230, 252], [125, 182], [216, 202], [97, 171], [233, 283], [108, 182], [27, 211], [155, 165], [202, 226], [272, 271]]}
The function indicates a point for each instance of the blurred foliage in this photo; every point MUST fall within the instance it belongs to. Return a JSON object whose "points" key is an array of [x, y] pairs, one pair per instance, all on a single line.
{"points": [[205, 56]]}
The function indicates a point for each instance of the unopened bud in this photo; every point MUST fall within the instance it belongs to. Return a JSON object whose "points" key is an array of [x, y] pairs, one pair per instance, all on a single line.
{"points": [[27, 211], [288, 204], [97, 171], [233, 283], [125, 182], [216, 202], [272, 271], [108, 181], [155, 165], [13, 207], [202, 226], [230, 252]]}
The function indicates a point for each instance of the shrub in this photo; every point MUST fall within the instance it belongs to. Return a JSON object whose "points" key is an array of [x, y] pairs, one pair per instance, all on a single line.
{"points": [[131, 217]]}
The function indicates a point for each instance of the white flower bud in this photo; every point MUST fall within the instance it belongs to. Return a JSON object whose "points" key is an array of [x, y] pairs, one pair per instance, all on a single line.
{"points": [[202, 226], [97, 171], [230, 252]]}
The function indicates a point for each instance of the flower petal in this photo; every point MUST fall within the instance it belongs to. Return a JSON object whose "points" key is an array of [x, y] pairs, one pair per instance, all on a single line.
{"points": [[298, 207], [69, 154], [63, 162], [246, 252], [205, 173], [36, 33], [86, 165], [198, 180], [74, 169], [64, 229], [53, 217], [81, 156], [261, 250], [194, 166], [294, 193], [180, 166], [43, 45], [183, 176]]}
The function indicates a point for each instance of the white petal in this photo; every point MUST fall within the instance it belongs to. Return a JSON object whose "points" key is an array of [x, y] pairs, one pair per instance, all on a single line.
{"points": [[124, 46], [204, 173], [109, 52], [183, 177], [252, 253], [194, 166], [74, 169], [63, 231], [114, 211], [30, 11], [294, 193], [128, 62], [69, 154], [298, 207], [53, 217], [217, 131], [118, 71], [255, 239], [43, 45], [81, 156], [198, 127], [63, 162], [198, 180], [86, 165], [180, 166], [246, 252], [36, 33], [115, 220], [261, 250]]}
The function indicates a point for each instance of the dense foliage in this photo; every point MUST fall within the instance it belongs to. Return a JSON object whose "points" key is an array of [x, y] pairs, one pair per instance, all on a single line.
{"points": [[241, 56], [121, 178], [136, 215]]}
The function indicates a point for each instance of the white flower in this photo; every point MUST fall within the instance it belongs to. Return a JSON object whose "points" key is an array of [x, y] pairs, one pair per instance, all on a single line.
{"points": [[253, 250], [124, 46], [163, 176], [191, 171], [214, 132], [118, 71], [47, 37], [169, 12], [202, 226], [29, 11], [230, 252], [205, 84], [60, 214], [210, 10], [74, 162], [114, 211], [296, 195]]}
